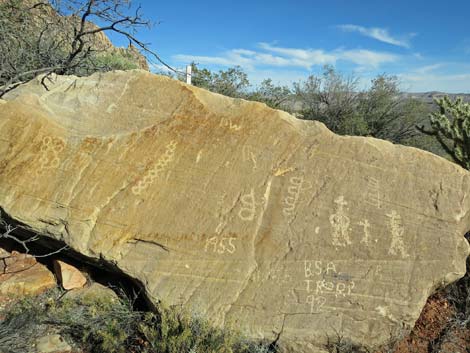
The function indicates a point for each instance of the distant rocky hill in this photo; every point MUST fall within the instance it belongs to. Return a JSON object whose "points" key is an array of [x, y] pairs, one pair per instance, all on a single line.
{"points": [[294, 105], [428, 97]]}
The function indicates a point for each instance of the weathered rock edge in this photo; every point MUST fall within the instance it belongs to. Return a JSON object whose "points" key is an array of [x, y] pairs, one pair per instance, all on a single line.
{"points": [[238, 211]]}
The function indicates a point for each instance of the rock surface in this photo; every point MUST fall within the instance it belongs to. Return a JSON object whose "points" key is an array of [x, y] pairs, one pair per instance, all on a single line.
{"points": [[235, 210], [95, 292], [68, 276]]}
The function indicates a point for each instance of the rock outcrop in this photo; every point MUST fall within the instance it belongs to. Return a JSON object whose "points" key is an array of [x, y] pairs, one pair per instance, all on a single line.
{"points": [[234, 210], [21, 275]]}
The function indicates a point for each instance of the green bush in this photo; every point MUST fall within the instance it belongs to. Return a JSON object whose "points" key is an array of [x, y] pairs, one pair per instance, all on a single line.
{"points": [[114, 61], [112, 326]]}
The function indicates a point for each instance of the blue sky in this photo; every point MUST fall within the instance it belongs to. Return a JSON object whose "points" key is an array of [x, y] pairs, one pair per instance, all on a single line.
{"points": [[425, 43]]}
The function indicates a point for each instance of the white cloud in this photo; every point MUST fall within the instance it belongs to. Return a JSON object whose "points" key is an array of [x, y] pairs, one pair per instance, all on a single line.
{"points": [[380, 34], [208, 60], [274, 56], [302, 57], [428, 68], [366, 58]]}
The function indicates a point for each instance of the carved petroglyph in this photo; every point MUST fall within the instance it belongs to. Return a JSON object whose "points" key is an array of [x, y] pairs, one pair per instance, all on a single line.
{"points": [[198, 157], [249, 155], [323, 280], [396, 227], [220, 245], [338, 289], [248, 209], [89, 145], [294, 191], [49, 153], [319, 268], [220, 227], [373, 192], [227, 123], [157, 169], [282, 171], [340, 224], [366, 237], [316, 303]]}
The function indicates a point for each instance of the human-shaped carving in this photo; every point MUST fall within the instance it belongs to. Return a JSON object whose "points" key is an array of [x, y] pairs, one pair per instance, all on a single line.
{"points": [[340, 224], [396, 227]]}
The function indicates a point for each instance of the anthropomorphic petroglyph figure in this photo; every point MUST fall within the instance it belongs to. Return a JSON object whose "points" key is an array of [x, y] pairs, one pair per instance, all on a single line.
{"points": [[396, 227], [340, 224]]}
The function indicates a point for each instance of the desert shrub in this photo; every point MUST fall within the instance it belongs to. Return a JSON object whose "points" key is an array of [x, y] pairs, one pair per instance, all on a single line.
{"points": [[20, 325], [178, 331], [107, 325], [114, 61], [340, 344]]}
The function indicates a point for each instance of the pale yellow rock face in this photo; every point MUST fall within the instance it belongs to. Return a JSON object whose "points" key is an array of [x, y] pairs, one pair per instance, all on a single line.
{"points": [[235, 210]]}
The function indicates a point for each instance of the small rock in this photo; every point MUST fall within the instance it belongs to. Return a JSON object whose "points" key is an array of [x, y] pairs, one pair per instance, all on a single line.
{"points": [[52, 344], [69, 276]]}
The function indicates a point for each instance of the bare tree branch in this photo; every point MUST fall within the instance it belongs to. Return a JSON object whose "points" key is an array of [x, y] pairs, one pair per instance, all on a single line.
{"points": [[62, 37], [24, 243]]}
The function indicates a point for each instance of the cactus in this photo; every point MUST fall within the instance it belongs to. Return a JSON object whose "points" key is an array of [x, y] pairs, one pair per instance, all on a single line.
{"points": [[451, 127]]}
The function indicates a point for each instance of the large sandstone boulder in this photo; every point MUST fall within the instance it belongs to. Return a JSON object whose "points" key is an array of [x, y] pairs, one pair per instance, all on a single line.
{"points": [[235, 210]]}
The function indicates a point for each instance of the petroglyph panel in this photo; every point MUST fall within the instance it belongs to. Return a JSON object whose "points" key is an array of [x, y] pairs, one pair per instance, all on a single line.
{"points": [[239, 212]]}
